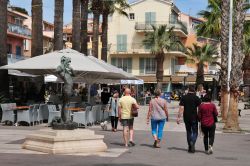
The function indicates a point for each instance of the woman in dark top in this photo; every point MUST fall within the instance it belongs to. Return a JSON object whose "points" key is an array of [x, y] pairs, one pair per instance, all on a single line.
{"points": [[207, 115]]}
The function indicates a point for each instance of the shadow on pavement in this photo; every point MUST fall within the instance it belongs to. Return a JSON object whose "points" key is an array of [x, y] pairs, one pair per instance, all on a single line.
{"points": [[117, 143], [122, 164], [147, 145], [183, 149]]}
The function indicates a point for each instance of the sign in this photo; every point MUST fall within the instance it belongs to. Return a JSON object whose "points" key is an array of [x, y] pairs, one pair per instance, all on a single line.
{"points": [[209, 79]]}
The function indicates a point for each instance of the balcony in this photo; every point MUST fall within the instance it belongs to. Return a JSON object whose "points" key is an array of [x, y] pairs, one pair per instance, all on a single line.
{"points": [[19, 30], [12, 58], [139, 48], [183, 70], [178, 26]]}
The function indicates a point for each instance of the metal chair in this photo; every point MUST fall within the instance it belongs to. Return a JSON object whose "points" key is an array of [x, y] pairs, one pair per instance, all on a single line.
{"points": [[7, 113], [26, 115], [53, 113]]}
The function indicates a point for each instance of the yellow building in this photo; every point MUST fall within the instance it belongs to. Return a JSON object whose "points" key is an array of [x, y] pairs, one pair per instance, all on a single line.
{"points": [[125, 36]]}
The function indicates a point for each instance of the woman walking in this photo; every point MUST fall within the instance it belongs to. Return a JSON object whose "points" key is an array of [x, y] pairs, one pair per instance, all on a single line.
{"points": [[114, 110], [158, 113], [207, 115]]}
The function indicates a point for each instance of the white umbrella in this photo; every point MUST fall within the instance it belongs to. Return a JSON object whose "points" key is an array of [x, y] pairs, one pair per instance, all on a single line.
{"points": [[85, 68]]}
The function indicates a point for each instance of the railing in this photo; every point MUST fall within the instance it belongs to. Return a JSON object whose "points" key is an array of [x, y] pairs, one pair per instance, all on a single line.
{"points": [[148, 26], [183, 69], [21, 30], [139, 48], [12, 58]]}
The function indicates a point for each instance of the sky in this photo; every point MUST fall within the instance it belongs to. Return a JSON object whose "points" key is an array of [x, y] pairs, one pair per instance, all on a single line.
{"points": [[191, 7]]}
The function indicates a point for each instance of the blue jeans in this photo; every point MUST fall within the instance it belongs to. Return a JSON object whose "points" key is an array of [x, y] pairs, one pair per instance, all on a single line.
{"points": [[157, 124], [192, 132]]}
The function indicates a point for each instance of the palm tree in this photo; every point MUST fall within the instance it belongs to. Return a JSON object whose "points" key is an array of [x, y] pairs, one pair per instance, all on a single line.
{"points": [[4, 84], [232, 122], [76, 25], [217, 26], [225, 7], [109, 7], [37, 28], [160, 41], [96, 8], [202, 55], [246, 66], [58, 23], [212, 26], [84, 26]]}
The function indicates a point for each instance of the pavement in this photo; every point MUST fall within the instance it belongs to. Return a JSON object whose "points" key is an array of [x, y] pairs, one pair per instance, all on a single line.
{"points": [[229, 149]]}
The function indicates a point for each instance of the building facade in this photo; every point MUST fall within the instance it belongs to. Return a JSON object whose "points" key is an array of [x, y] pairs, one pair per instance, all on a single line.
{"points": [[17, 36], [67, 35], [125, 38]]}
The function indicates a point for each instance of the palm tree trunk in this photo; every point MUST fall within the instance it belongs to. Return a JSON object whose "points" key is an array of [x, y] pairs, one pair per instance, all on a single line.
{"points": [[225, 6], [58, 25], [246, 75], [95, 42], [200, 74], [37, 28], [84, 26], [160, 69], [76, 25], [4, 83], [232, 123], [105, 36]]}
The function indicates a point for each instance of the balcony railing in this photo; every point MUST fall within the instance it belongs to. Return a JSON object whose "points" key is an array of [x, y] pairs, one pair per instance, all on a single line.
{"points": [[20, 30], [139, 48], [12, 58], [148, 26], [183, 69]]}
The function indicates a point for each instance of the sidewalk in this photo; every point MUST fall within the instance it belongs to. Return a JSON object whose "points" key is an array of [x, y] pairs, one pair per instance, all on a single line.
{"points": [[229, 149]]}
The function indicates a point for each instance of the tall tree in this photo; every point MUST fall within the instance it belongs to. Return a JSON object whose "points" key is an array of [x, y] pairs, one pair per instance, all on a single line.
{"points": [[161, 40], [58, 25], [84, 26], [37, 28], [224, 33], [4, 83], [109, 7], [237, 61], [96, 8], [76, 27], [217, 26], [202, 55]]}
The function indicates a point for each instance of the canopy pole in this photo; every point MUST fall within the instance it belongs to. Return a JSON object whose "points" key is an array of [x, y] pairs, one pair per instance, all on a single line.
{"points": [[89, 89]]}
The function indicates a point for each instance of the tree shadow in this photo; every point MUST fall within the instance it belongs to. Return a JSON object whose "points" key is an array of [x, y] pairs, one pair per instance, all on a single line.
{"points": [[183, 149], [117, 143]]}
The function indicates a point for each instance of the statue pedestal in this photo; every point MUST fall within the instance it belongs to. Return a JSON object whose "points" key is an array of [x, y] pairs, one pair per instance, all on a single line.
{"points": [[65, 141]]}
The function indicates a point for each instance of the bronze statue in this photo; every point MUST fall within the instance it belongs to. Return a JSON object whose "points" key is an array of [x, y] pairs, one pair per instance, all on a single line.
{"points": [[66, 73]]}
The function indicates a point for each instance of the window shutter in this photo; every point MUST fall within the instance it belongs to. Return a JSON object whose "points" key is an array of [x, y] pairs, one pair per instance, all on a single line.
{"points": [[118, 42], [147, 17], [129, 61], [124, 42], [113, 61], [141, 65], [153, 18]]}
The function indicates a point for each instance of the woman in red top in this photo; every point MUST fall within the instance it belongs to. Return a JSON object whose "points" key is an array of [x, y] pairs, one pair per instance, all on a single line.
{"points": [[207, 115]]}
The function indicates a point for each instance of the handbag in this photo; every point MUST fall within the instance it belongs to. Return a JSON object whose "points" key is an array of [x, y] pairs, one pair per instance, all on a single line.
{"points": [[134, 111]]}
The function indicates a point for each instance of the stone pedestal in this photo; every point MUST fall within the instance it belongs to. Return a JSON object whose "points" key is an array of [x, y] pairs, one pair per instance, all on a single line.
{"points": [[65, 141]]}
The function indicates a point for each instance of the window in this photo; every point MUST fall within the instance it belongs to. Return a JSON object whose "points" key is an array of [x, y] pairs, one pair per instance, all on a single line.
{"points": [[123, 63], [26, 45], [147, 66], [150, 18], [131, 16], [121, 43], [174, 62]]}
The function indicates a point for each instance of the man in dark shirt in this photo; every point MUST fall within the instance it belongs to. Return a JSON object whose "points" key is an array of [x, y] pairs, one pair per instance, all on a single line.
{"points": [[105, 95], [188, 107]]}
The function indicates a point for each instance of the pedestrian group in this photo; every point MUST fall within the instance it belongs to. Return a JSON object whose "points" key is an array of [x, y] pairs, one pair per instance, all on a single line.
{"points": [[194, 106]]}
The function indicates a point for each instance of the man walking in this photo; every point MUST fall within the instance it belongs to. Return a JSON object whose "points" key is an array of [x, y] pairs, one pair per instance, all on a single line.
{"points": [[127, 121], [188, 107]]}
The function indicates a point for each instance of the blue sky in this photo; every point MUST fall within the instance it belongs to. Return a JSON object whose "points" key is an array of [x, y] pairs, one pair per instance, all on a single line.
{"points": [[191, 7]]}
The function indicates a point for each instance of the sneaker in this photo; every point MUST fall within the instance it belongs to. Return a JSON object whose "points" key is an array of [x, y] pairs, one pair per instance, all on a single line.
{"points": [[206, 151], [189, 149], [157, 144], [210, 149], [131, 143]]}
